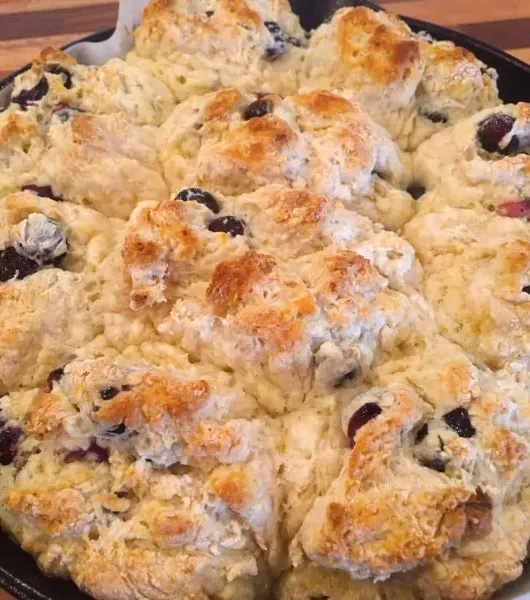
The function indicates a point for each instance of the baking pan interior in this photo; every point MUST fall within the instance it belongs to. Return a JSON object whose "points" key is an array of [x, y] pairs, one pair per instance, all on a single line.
{"points": [[19, 573]]}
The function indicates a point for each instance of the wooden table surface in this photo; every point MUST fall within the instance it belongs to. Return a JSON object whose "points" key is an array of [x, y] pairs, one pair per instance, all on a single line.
{"points": [[28, 25]]}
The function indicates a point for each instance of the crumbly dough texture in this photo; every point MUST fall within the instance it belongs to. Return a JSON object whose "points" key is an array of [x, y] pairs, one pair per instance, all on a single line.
{"points": [[265, 313]]}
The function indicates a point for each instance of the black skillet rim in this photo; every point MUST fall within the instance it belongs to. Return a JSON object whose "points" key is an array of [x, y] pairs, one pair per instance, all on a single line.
{"points": [[19, 573]]}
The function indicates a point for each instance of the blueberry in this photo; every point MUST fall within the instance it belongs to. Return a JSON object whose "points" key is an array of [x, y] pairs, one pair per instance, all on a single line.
{"points": [[228, 224], [526, 289], [108, 393], [36, 93], [360, 417], [279, 41], [435, 117], [421, 434], [65, 75], [458, 419], [209, 13], [201, 196], [493, 129], [258, 108], [93, 453], [55, 375], [436, 464], [416, 191], [44, 191], [16, 266], [9, 437]]}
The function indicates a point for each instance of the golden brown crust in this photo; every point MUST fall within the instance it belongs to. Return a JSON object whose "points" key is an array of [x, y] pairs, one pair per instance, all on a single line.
{"points": [[233, 485], [324, 103], [388, 55], [258, 142], [233, 279], [55, 511], [347, 267], [298, 208], [155, 397]]}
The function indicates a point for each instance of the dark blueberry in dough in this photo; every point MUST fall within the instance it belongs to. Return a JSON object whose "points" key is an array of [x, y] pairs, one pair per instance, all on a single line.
{"points": [[201, 196], [93, 453], [436, 464], [493, 129], [55, 375], [258, 108], [228, 224], [209, 13], [360, 417], [347, 378], [15, 266], [65, 75], [458, 419], [64, 112], [9, 437], [279, 43], [526, 289], [435, 117], [44, 191], [416, 191], [108, 393], [421, 434], [27, 97], [118, 430]]}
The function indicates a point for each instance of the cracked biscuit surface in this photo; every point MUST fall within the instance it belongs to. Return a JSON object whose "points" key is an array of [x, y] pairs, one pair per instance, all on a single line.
{"points": [[234, 143], [263, 318]]}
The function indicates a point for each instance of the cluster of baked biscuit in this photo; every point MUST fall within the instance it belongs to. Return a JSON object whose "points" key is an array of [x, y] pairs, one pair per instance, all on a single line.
{"points": [[265, 313]]}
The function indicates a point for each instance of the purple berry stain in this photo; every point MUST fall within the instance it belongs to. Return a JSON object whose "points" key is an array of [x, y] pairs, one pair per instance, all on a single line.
{"points": [[94, 453], [360, 417]]}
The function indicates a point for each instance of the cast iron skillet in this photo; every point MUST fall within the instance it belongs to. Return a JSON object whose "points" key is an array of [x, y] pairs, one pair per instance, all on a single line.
{"points": [[19, 573]]}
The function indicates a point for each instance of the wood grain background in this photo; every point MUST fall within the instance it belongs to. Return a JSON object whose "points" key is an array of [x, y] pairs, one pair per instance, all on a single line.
{"points": [[28, 25]]}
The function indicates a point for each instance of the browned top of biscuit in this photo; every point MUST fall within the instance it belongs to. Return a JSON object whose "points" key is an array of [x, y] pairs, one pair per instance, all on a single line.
{"points": [[388, 55]]}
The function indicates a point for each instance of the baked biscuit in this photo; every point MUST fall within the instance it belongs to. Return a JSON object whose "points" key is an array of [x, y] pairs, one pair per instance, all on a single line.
{"points": [[454, 85], [219, 377], [115, 163], [289, 222], [281, 326], [480, 163], [369, 56], [56, 81], [234, 143], [411, 84], [49, 251], [196, 47], [21, 148], [477, 276], [437, 476], [130, 497]]}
